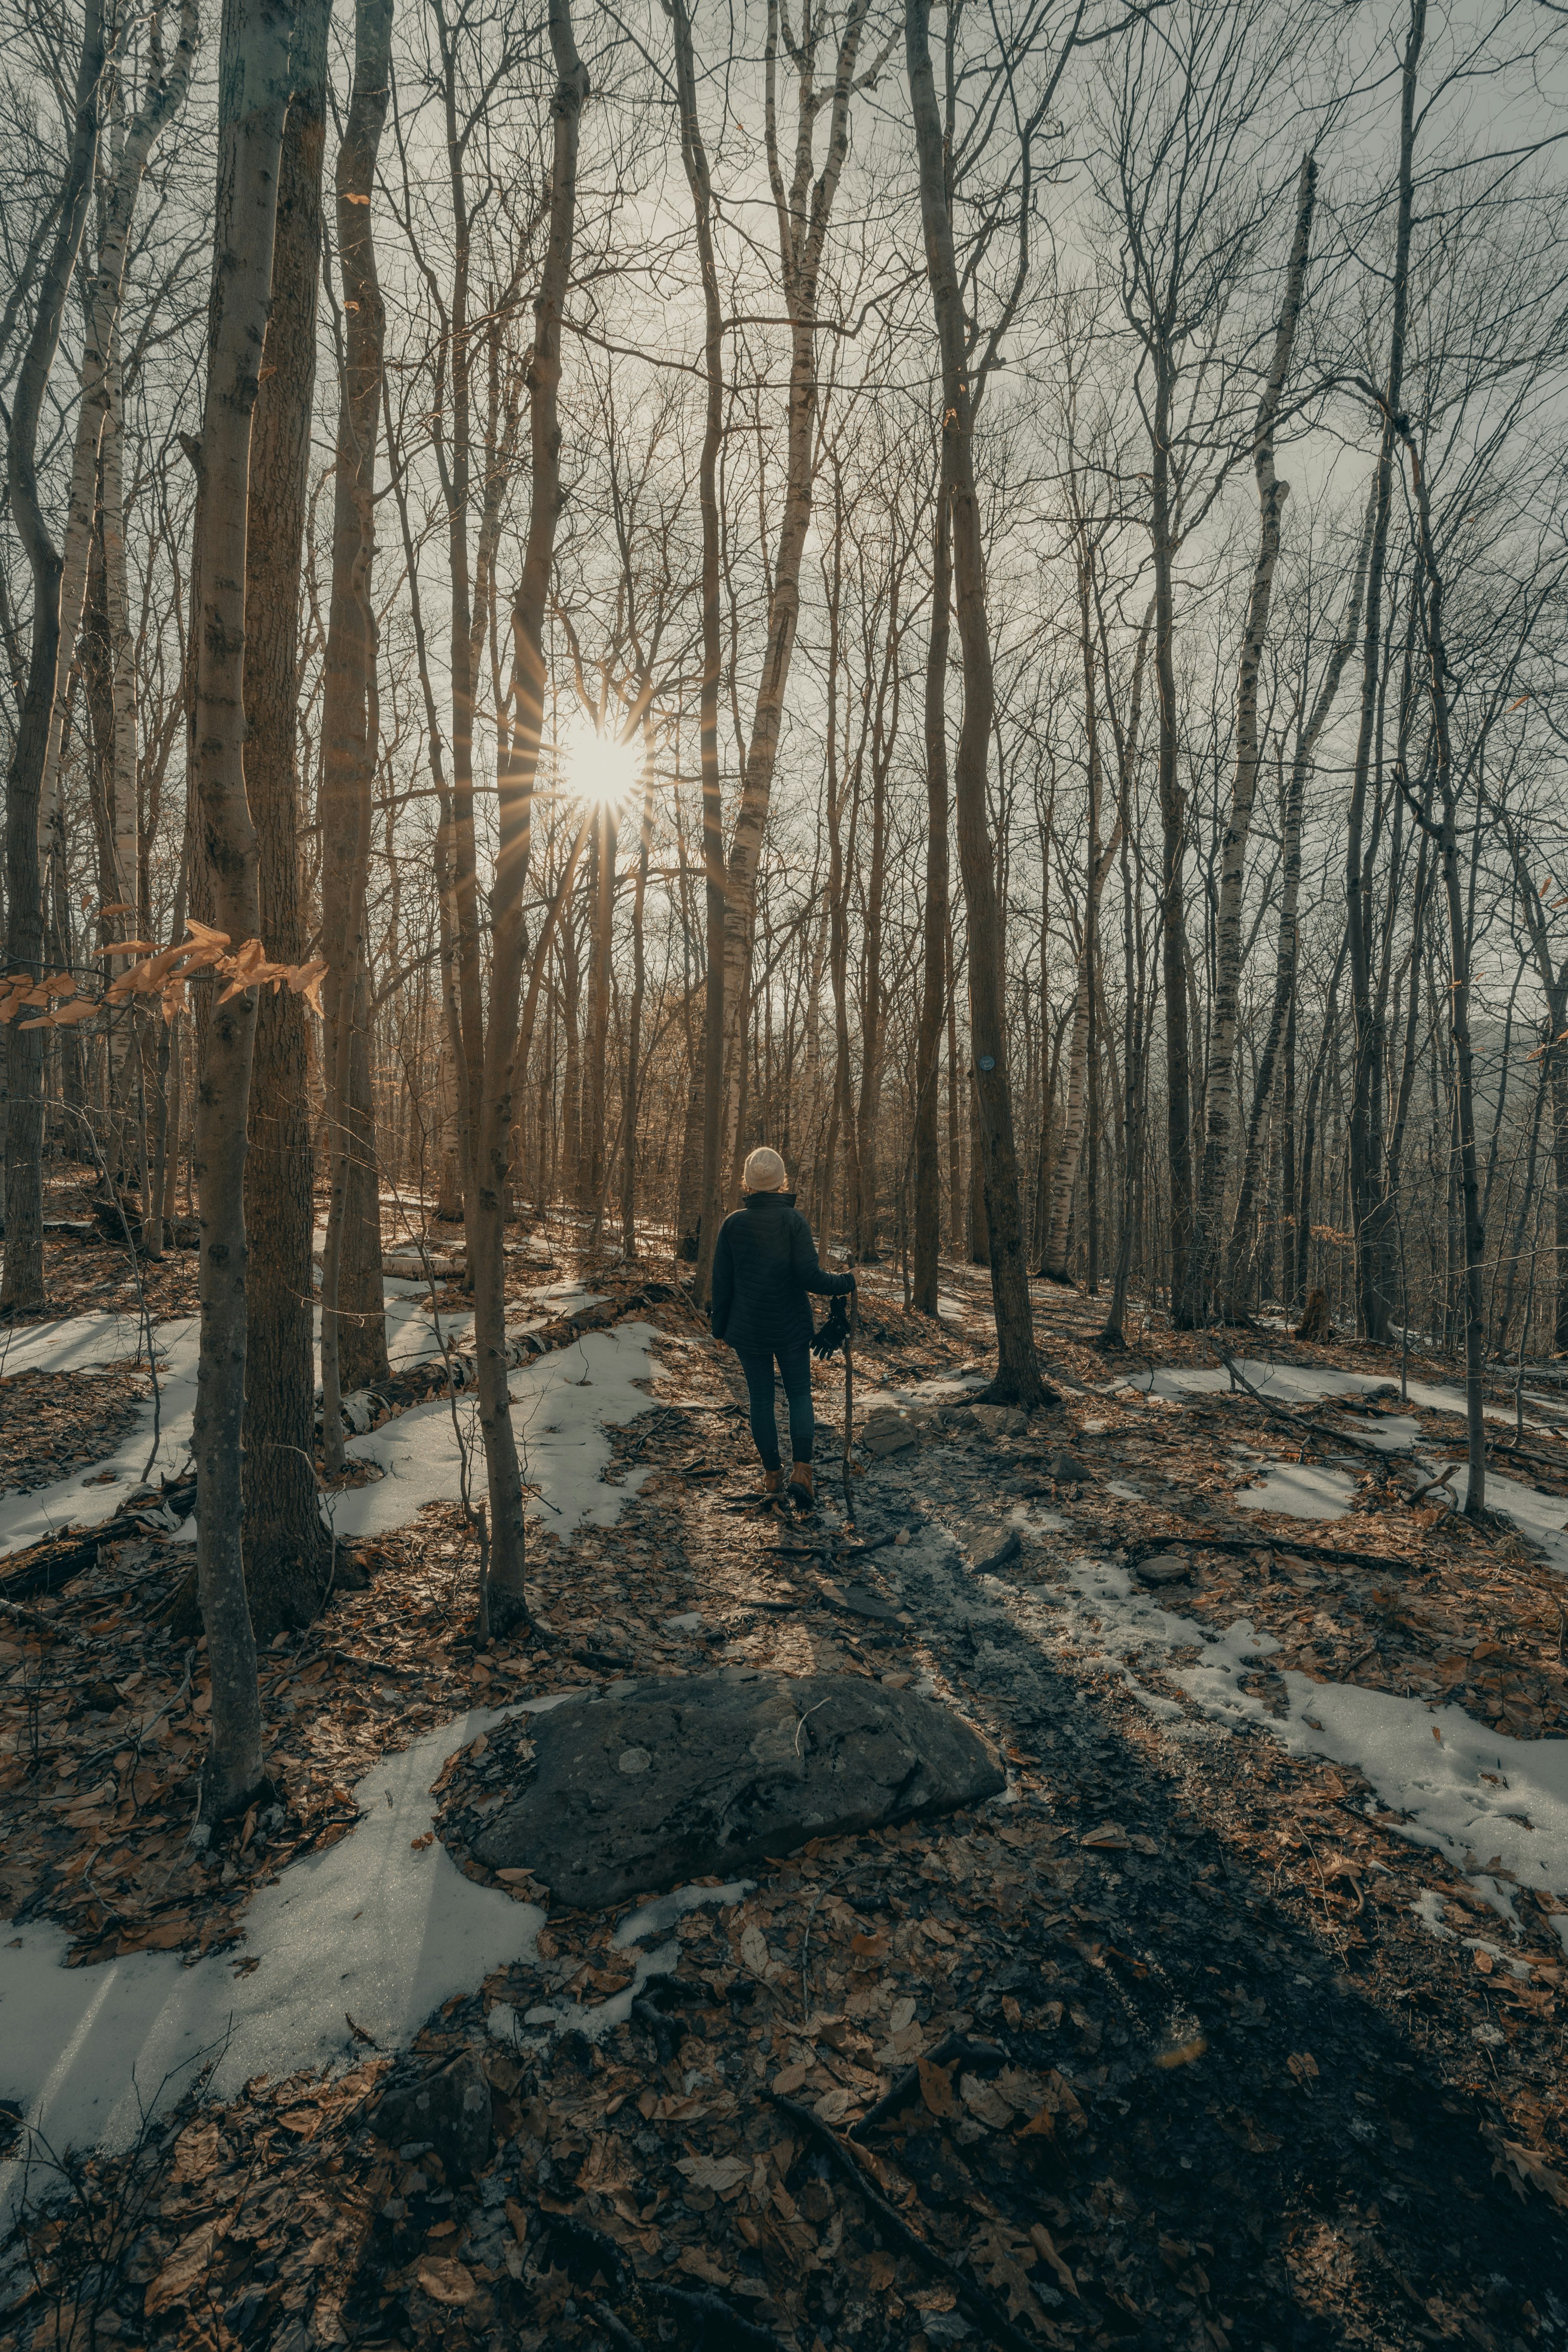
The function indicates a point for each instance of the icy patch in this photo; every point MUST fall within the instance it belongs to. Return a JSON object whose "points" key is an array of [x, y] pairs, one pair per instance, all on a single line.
{"points": [[1496, 1808], [378, 1925], [1299, 1492]]}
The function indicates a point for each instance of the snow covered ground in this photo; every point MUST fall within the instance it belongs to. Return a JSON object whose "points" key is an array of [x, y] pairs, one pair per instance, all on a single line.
{"points": [[560, 1400], [561, 1405], [1473, 1794], [1299, 1491], [1540, 1516], [378, 1928]]}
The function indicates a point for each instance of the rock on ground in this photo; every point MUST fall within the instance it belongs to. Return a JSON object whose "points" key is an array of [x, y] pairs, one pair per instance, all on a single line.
{"points": [[712, 1772]]}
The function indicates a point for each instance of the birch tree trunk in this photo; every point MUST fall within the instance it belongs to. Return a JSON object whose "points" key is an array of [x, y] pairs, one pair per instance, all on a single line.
{"points": [[1219, 1094], [22, 1282], [285, 1557], [252, 97], [1018, 1377]]}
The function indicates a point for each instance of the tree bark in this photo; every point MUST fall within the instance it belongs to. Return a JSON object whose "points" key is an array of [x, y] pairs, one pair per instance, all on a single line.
{"points": [[1018, 1377], [253, 97], [1287, 953], [349, 729], [22, 1281], [1219, 1093], [934, 937], [1368, 1199], [285, 1555], [493, 1052]]}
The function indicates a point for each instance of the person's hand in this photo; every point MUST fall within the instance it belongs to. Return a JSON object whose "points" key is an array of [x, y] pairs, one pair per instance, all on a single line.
{"points": [[850, 1280]]}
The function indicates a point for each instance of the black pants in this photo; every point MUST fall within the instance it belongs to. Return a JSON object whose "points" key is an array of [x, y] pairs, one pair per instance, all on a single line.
{"points": [[795, 1371]]}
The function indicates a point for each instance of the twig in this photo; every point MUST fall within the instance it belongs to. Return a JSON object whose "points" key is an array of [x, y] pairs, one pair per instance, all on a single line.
{"points": [[1238, 1550], [57, 1632], [975, 2302]]}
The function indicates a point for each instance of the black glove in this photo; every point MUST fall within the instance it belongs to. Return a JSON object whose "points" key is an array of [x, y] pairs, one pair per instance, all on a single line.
{"points": [[833, 1333]]}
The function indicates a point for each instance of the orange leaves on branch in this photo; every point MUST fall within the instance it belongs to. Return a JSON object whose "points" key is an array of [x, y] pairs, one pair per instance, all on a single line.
{"points": [[162, 972]]}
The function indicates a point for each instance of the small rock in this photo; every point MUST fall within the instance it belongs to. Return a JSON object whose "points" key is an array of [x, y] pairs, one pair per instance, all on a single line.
{"points": [[1002, 1557], [887, 1433], [902, 1538], [450, 2109], [634, 1760], [1164, 1567], [1067, 1470]]}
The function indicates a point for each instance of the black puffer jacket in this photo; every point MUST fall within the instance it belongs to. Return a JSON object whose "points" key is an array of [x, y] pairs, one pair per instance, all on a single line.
{"points": [[765, 1263]]}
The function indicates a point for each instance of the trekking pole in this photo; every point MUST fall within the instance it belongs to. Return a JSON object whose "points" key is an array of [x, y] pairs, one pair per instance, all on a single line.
{"points": [[850, 1403]]}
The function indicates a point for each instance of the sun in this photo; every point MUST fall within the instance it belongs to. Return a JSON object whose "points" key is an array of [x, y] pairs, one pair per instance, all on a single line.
{"points": [[597, 768]]}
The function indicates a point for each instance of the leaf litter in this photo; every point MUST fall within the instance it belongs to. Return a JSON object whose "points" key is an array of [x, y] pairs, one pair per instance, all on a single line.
{"points": [[1185, 2041]]}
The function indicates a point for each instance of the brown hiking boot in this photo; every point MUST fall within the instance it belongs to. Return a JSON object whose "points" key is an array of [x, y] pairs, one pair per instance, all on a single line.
{"points": [[802, 1491], [772, 1481]]}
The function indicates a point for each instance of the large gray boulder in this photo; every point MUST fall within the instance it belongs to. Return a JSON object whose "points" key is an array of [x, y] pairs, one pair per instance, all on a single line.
{"points": [[709, 1773]]}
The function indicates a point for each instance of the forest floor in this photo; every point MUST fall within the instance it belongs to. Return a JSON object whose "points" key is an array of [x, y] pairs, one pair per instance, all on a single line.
{"points": [[1237, 2022]]}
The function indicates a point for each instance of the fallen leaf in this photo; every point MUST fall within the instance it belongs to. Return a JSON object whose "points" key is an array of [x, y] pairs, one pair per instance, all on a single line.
{"points": [[1046, 2249], [445, 2281], [985, 2101], [1303, 2065], [183, 2272], [699, 2263], [936, 2088], [1106, 1839], [716, 2172]]}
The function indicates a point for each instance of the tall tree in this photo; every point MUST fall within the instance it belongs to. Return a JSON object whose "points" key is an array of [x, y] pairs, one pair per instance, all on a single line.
{"points": [[348, 699], [1203, 1260], [285, 1557], [490, 1049], [22, 1281], [1018, 1377], [253, 99]]}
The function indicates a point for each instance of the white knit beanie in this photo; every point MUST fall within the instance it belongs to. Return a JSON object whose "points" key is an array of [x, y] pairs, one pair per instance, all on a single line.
{"points": [[763, 1172]]}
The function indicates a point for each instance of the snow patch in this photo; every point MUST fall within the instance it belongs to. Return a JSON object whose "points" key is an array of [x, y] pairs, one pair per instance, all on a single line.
{"points": [[1487, 1804], [376, 1927], [1299, 1492]]}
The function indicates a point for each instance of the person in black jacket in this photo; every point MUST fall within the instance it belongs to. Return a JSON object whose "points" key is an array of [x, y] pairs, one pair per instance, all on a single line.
{"points": [[763, 1266]]}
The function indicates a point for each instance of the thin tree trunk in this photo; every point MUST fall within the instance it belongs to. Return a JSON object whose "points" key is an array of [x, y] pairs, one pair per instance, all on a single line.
{"points": [[492, 1054], [1220, 1090], [22, 1282], [933, 940], [1018, 1377], [1287, 952], [348, 714], [1368, 1198], [804, 213]]}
